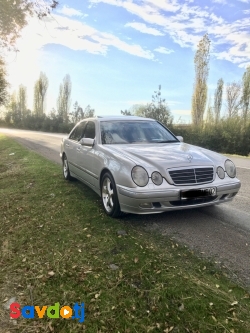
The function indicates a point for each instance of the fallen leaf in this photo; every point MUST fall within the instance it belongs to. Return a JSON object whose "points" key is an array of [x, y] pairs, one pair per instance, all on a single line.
{"points": [[136, 260], [51, 273], [181, 307], [113, 267]]}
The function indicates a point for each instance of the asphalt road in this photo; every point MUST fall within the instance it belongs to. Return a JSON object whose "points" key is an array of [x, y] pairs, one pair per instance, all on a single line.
{"points": [[220, 233]]}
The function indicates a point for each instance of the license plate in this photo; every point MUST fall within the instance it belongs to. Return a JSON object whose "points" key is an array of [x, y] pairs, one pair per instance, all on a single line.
{"points": [[199, 193]]}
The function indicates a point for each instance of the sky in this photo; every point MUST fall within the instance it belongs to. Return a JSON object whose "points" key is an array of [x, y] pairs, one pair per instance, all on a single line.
{"points": [[117, 52]]}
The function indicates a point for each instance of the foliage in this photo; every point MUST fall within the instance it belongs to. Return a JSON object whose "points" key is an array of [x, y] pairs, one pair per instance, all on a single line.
{"points": [[233, 91], [199, 97], [245, 99], [14, 16], [40, 90], [157, 109], [230, 135], [126, 113], [63, 100], [78, 113], [3, 83], [218, 99]]}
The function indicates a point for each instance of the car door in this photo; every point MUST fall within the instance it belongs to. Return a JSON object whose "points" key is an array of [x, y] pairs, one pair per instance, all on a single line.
{"points": [[72, 146], [86, 156]]}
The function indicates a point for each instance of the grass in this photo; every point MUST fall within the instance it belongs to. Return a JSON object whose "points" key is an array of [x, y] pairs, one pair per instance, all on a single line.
{"points": [[57, 246]]}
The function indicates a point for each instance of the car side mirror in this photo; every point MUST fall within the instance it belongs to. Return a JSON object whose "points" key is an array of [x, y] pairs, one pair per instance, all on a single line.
{"points": [[180, 138], [87, 142]]}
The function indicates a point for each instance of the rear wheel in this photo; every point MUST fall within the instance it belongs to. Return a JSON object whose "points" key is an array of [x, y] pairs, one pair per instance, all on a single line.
{"points": [[66, 172], [109, 196]]}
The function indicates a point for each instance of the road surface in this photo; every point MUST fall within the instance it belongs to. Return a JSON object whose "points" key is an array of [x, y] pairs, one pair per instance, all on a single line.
{"points": [[220, 233]]}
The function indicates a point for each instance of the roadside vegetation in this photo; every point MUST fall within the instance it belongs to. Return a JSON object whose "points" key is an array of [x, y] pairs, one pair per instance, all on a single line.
{"points": [[224, 132], [58, 246]]}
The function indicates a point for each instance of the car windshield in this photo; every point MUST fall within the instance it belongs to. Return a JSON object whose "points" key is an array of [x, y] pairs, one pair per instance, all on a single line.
{"points": [[142, 131]]}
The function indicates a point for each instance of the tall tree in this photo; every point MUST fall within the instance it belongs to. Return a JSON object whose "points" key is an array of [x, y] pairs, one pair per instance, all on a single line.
{"points": [[13, 115], [40, 90], [245, 99], [218, 99], [233, 93], [201, 62], [63, 100], [3, 83], [210, 113], [14, 14], [22, 100]]}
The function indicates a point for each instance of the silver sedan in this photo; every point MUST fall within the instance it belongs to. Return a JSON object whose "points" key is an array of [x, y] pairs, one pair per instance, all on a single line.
{"points": [[137, 165]]}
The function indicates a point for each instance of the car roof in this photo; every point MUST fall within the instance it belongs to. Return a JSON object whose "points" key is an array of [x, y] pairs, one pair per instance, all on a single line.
{"points": [[129, 118]]}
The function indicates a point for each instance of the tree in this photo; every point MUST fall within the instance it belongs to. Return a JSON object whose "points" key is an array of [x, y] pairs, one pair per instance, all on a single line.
{"points": [[40, 90], [13, 114], [157, 109], [63, 100], [210, 113], [233, 92], [218, 99], [77, 114], [3, 83], [14, 14], [126, 113], [199, 98], [245, 99], [89, 112], [22, 100]]}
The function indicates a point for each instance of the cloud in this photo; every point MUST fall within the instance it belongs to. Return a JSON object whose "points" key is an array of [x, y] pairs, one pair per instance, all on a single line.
{"points": [[144, 29], [186, 23], [68, 11], [75, 35], [223, 2], [164, 50]]}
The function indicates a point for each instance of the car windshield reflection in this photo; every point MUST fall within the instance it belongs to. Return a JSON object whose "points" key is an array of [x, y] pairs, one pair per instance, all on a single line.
{"points": [[129, 132]]}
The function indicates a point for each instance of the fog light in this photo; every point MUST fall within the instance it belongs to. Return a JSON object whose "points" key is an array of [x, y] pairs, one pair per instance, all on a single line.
{"points": [[146, 205], [221, 172]]}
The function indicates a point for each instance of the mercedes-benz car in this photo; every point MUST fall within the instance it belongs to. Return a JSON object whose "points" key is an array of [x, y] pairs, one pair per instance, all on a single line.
{"points": [[137, 165]]}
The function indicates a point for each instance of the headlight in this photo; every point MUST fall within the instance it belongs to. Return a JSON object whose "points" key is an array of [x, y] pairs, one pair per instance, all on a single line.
{"points": [[156, 178], [230, 168], [221, 172], [139, 176]]}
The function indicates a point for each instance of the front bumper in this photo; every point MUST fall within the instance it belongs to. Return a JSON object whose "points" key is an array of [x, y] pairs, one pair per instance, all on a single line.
{"points": [[158, 201]]}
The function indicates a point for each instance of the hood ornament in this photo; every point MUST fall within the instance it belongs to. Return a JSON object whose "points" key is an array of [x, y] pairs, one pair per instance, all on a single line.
{"points": [[189, 157]]}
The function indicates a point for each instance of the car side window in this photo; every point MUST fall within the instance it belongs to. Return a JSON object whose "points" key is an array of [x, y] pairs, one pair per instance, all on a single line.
{"points": [[90, 130], [77, 133]]}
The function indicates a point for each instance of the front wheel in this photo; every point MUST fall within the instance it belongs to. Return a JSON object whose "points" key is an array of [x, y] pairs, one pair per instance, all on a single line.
{"points": [[110, 200], [66, 172]]}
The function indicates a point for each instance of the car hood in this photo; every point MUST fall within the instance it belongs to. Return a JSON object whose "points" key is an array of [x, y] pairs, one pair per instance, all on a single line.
{"points": [[169, 155]]}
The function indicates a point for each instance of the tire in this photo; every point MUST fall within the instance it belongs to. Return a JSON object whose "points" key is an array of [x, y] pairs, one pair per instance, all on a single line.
{"points": [[109, 196], [66, 172]]}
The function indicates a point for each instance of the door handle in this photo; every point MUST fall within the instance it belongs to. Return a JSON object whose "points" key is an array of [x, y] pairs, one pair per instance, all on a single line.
{"points": [[78, 149], [67, 145]]}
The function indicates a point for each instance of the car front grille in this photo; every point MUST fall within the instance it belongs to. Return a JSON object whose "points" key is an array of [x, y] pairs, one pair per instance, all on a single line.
{"points": [[192, 176]]}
